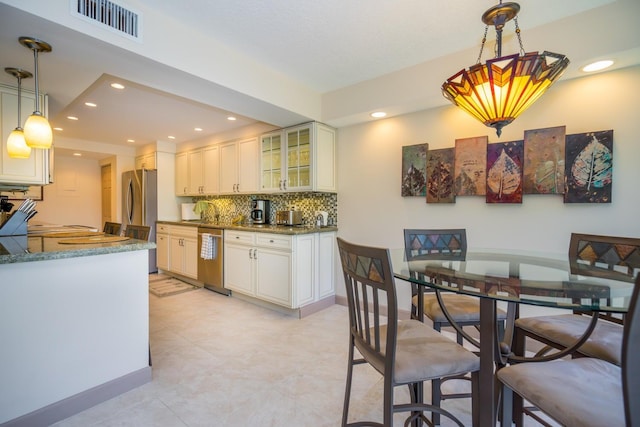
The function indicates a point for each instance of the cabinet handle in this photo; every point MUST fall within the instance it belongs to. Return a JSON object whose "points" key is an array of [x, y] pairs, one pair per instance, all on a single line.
{"points": [[184, 191], [280, 185], [250, 257], [271, 241], [284, 184], [255, 254]]}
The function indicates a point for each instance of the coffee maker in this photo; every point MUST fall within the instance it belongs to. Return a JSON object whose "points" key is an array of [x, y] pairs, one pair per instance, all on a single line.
{"points": [[260, 211]]}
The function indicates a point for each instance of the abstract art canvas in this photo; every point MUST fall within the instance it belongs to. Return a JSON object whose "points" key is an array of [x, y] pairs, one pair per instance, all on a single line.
{"points": [[504, 172], [589, 167], [414, 170], [440, 176], [471, 166], [544, 160]]}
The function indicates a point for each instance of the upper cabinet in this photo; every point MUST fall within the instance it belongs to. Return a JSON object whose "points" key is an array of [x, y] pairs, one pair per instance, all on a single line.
{"points": [[182, 175], [146, 161], [22, 172], [300, 158], [239, 167]]}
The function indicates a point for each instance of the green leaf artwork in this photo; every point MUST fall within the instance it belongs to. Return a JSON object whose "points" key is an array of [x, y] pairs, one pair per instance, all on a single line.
{"points": [[589, 173]]}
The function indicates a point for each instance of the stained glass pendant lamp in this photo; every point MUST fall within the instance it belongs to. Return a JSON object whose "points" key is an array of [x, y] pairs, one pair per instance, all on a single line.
{"points": [[37, 130], [17, 147], [499, 90]]}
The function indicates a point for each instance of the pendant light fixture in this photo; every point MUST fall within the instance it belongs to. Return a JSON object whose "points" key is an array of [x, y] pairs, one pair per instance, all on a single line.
{"points": [[16, 145], [501, 89], [37, 130]]}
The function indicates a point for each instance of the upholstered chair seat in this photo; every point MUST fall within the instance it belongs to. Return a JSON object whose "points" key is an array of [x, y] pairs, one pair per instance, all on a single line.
{"points": [[605, 342], [461, 308]]}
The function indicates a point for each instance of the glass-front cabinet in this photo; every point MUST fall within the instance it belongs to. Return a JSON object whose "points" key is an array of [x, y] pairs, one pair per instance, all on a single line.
{"points": [[299, 158], [271, 161]]}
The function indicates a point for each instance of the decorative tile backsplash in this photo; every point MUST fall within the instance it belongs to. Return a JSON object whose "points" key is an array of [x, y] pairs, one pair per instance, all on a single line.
{"points": [[230, 206]]}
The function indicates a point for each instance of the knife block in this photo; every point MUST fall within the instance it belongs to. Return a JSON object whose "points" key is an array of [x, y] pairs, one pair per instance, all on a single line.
{"points": [[15, 225]]}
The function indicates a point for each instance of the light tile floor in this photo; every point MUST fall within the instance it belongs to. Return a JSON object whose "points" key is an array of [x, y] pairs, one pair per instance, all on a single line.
{"points": [[220, 361]]}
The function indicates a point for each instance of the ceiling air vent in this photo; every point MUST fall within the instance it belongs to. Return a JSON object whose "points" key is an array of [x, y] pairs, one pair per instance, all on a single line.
{"points": [[117, 18]]}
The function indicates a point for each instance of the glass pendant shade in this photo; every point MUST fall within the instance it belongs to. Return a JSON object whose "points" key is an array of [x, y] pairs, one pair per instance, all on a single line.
{"points": [[16, 145], [499, 90], [37, 132]]}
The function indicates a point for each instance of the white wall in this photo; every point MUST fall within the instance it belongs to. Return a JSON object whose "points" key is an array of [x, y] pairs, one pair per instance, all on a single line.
{"points": [[75, 195], [372, 212]]}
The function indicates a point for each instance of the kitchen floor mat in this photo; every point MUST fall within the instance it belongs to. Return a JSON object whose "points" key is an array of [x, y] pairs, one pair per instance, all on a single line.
{"points": [[164, 286]]}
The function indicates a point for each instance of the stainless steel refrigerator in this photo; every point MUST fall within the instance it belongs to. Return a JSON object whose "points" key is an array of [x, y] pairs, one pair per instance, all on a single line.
{"points": [[140, 204]]}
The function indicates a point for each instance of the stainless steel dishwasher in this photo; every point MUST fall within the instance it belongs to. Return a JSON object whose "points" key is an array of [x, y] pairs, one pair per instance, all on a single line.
{"points": [[210, 271]]}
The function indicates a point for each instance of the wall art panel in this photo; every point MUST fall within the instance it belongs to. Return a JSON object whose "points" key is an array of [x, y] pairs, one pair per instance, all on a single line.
{"points": [[504, 172], [544, 160], [414, 170], [471, 166], [440, 167], [589, 167]]}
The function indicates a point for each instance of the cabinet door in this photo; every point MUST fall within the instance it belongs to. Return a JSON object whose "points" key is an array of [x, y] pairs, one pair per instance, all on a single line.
{"points": [[176, 254], [194, 165], [327, 250], [35, 169], [229, 168], [162, 251], [238, 268], [191, 254], [182, 177], [211, 170], [273, 276], [298, 161], [248, 166], [271, 162], [146, 161], [324, 159]]}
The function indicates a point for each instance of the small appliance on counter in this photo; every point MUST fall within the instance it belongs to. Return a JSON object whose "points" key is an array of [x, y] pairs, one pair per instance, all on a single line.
{"points": [[290, 217], [188, 212], [260, 211]]}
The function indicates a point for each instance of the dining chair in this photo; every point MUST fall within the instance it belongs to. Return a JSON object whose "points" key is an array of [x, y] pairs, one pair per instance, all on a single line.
{"points": [[584, 391], [404, 352], [114, 228], [447, 245], [589, 255], [140, 232]]}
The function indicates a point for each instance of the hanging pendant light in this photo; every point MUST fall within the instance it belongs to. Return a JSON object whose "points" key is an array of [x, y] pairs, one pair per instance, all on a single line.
{"points": [[37, 130], [16, 145], [501, 89]]}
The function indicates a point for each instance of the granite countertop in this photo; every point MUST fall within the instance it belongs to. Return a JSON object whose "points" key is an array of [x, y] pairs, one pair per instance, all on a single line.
{"points": [[261, 228], [16, 249]]}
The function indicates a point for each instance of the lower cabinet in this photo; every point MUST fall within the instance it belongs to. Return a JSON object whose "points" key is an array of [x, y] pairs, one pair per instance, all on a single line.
{"points": [[177, 249], [281, 269]]}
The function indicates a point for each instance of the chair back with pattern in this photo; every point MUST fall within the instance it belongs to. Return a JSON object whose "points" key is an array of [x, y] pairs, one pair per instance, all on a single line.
{"points": [[140, 232], [605, 256], [370, 292], [439, 244], [631, 359], [112, 228]]}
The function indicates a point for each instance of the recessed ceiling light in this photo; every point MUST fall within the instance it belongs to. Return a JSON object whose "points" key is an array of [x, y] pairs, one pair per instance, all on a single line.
{"points": [[117, 86], [597, 66], [378, 114], [198, 129], [72, 118], [77, 154], [58, 129], [171, 137], [90, 104], [231, 118], [131, 140]]}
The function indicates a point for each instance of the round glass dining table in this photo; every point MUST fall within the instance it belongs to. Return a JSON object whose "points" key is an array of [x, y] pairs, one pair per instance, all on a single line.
{"points": [[514, 277]]}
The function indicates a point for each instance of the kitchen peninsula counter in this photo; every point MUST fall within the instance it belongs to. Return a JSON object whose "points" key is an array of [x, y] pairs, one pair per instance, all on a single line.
{"points": [[74, 322], [259, 228]]}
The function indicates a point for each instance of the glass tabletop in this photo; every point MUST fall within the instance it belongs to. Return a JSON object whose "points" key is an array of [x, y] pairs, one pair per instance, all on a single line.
{"points": [[520, 276]]}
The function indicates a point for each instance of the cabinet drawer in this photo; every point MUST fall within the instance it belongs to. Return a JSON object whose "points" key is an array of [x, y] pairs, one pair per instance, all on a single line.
{"points": [[188, 232], [273, 241], [163, 228], [246, 238]]}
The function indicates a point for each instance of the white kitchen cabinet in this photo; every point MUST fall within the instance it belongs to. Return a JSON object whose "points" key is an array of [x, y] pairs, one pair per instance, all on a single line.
{"points": [[162, 247], [277, 268], [300, 158], [146, 161], [203, 165], [182, 175], [21, 172], [326, 266], [239, 164], [178, 249]]}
